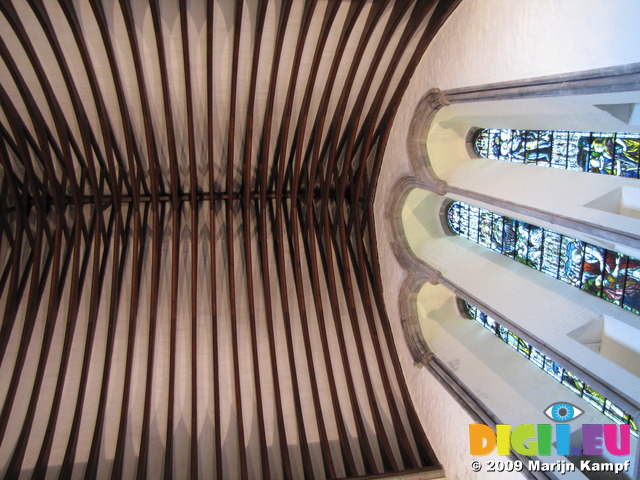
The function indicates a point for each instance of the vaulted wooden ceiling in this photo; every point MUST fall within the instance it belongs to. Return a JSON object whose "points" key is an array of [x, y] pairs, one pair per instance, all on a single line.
{"points": [[188, 267]]}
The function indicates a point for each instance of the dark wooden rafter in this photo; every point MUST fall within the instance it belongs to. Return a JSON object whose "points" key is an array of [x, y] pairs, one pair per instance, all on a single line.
{"points": [[80, 260], [157, 223], [229, 212], [262, 215], [279, 161], [405, 447], [135, 170], [120, 248], [138, 251], [416, 17], [217, 436], [328, 255], [193, 201], [34, 295], [293, 234], [247, 243], [291, 369], [149, 135], [310, 250]]}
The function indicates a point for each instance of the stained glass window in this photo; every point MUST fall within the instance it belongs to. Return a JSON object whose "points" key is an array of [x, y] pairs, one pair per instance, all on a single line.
{"points": [[552, 368], [599, 271], [596, 152]]}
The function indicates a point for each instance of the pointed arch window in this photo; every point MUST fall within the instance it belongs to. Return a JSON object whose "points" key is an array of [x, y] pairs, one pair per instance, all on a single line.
{"points": [[605, 273], [595, 152], [552, 368]]}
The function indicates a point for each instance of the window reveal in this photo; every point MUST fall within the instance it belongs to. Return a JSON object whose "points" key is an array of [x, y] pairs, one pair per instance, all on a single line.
{"points": [[552, 368], [601, 272]]}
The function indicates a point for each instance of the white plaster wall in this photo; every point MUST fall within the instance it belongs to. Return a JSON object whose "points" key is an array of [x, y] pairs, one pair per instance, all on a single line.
{"points": [[490, 41]]}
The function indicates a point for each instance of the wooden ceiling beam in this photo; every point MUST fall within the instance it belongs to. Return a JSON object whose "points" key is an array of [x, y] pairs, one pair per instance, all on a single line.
{"points": [[292, 194]]}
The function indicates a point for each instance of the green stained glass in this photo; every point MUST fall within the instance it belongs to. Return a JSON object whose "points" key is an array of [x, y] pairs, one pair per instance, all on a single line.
{"points": [[524, 348], [627, 153], [572, 382], [571, 258], [594, 398], [615, 413], [512, 339]]}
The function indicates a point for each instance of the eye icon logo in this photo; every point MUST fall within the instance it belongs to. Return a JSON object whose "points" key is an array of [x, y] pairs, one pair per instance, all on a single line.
{"points": [[562, 412]]}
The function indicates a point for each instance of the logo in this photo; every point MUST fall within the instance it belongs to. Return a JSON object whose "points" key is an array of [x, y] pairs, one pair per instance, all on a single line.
{"points": [[562, 412], [540, 439]]}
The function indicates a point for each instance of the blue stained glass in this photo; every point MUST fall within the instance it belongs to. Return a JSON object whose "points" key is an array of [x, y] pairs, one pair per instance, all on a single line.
{"points": [[517, 142], [481, 144], [503, 333], [491, 325], [474, 223], [537, 357], [555, 370], [530, 153], [507, 150], [464, 221], [509, 237], [595, 152], [453, 218], [572, 258], [596, 270]]}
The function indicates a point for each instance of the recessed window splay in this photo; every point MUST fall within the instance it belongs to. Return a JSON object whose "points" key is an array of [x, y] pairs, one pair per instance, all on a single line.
{"points": [[601, 272], [552, 368]]}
